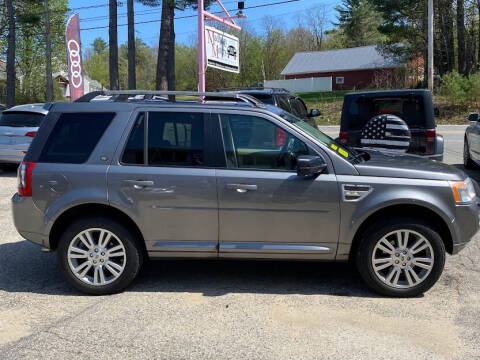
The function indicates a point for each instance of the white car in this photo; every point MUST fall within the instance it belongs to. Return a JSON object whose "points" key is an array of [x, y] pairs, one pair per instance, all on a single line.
{"points": [[18, 126]]}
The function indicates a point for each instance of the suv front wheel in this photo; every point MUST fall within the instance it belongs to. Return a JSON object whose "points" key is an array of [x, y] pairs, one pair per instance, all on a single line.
{"points": [[99, 256], [401, 258]]}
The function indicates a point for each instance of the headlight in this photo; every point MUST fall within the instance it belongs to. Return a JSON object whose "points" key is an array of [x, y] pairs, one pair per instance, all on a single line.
{"points": [[464, 191]]}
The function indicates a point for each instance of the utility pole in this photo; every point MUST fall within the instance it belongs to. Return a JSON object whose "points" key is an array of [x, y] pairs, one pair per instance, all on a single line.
{"points": [[132, 83], [430, 45], [48, 55]]}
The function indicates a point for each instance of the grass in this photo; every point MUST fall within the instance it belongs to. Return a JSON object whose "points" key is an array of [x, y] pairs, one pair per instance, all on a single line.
{"points": [[330, 104]]}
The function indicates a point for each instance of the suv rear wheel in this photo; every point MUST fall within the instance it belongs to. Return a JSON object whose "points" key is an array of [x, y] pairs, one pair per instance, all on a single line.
{"points": [[467, 160], [99, 256], [402, 258]]}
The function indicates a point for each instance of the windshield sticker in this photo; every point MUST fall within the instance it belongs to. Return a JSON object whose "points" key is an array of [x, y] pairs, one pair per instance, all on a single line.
{"points": [[338, 149]]}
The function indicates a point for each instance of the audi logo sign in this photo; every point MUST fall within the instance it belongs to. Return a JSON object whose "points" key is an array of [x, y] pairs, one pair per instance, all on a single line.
{"points": [[75, 62], [74, 57]]}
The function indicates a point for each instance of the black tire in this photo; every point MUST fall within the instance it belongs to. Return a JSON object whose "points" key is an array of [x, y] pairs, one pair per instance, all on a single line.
{"points": [[134, 255], [375, 233], [467, 160]]}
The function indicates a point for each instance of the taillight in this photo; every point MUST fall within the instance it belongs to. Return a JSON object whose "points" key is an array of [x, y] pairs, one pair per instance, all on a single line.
{"points": [[343, 138], [431, 135], [25, 178], [31, 134]]}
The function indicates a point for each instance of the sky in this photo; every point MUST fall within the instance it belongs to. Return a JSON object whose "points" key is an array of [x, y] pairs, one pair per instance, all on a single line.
{"points": [[185, 29]]}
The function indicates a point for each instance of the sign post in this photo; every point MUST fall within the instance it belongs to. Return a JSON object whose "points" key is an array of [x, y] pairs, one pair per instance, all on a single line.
{"points": [[228, 59], [74, 58]]}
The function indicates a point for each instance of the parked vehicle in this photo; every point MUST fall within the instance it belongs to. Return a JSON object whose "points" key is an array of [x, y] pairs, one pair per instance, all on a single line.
{"points": [[110, 183], [283, 99], [471, 143], [18, 126], [2, 108], [414, 107]]}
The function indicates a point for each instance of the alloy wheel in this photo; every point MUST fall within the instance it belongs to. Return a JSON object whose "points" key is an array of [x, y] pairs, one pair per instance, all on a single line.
{"points": [[97, 256], [402, 259]]}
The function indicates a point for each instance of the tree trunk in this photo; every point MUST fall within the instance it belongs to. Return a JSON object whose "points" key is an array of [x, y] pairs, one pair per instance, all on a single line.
{"points": [[113, 45], [11, 77], [132, 83], [461, 36], [166, 48], [48, 56]]}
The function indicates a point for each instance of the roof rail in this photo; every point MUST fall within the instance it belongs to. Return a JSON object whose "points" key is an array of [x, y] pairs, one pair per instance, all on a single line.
{"points": [[169, 96], [253, 88]]}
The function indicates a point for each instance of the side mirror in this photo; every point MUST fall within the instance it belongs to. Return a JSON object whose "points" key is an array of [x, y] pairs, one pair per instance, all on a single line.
{"points": [[473, 117], [315, 113], [436, 112], [308, 165]]}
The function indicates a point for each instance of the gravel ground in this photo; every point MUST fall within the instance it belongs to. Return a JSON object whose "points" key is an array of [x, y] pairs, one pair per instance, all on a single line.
{"points": [[233, 310]]}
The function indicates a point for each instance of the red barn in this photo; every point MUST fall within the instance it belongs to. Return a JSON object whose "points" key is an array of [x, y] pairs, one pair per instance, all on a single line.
{"points": [[351, 68]]}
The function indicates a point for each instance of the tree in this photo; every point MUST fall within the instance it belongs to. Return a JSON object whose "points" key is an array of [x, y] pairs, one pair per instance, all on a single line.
{"points": [[113, 45], [131, 46], [99, 45], [358, 20], [48, 56], [461, 37], [11, 50]]}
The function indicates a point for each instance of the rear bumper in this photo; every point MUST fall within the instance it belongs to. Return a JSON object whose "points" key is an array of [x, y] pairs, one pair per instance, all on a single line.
{"points": [[28, 220], [14, 156]]}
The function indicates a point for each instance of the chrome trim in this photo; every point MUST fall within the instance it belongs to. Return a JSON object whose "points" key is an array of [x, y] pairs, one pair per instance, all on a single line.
{"points": [[185, 245], [355, 193], [263, 247]]}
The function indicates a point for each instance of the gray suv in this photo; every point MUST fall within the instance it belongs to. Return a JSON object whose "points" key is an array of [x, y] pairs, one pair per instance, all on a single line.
{"points": [[137, 175]]}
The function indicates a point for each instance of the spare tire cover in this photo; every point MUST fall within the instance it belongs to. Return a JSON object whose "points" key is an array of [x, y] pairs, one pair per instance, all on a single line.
{"points": [[388, 132]]}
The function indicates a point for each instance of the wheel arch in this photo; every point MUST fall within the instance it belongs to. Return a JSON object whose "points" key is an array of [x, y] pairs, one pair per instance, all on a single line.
{"points": [[415, 211], [86, 210]]}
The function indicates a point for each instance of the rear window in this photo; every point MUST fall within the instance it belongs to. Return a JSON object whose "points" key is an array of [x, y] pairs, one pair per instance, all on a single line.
{"points": [[74, 137], [360, 110], [21, 119], [265, 98]]}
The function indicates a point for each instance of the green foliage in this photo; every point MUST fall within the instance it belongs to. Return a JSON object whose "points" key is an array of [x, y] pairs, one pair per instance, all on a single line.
{"points": [[458, 89], [99, 45], [358, 23]]}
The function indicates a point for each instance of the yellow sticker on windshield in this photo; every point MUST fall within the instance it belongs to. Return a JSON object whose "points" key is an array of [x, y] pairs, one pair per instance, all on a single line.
{"points": [[343, 152], [334, 147]]}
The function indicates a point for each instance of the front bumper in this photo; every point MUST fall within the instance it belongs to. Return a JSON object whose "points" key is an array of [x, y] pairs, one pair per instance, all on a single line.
{"points": [[28, 220], [466, 224]]}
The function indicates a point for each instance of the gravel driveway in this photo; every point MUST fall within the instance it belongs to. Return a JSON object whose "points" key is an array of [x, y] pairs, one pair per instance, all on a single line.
{"points": [[233, 310]]}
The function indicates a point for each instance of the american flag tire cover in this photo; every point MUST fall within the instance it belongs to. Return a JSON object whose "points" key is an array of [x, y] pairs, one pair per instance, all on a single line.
{"points": [[386, 132]]}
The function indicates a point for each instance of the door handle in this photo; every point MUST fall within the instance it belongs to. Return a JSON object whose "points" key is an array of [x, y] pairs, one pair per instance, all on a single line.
{"points": [[242, 188], [139, 184]]}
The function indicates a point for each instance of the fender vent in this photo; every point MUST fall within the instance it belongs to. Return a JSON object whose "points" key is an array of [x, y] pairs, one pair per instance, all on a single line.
{"points": [[355, 192]]}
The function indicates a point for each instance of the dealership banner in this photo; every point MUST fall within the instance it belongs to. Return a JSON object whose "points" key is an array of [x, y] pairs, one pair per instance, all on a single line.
{"points": [[222, 50], [74, 57]]}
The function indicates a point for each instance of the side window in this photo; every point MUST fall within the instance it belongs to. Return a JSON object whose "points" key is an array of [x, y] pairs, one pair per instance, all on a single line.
{"points": [[134, 153], [74, 137], [175, 139], [283, 103], [298, 108], [256, 143]]}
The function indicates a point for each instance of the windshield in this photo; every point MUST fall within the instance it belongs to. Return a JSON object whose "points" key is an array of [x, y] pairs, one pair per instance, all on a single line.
{"points": [[343, 151], [21, 119]]}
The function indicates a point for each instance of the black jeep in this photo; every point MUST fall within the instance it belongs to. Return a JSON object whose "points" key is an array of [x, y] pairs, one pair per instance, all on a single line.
{"points": [[414, 107]]}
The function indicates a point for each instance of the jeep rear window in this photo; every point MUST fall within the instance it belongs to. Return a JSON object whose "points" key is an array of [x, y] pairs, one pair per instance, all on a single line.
{"points": [[360, 110], [21, 119], [74, 137]]}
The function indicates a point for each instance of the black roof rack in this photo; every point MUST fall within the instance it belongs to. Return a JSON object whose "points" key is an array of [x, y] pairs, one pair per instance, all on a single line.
{"points": [[253, 88], [167, 96]]}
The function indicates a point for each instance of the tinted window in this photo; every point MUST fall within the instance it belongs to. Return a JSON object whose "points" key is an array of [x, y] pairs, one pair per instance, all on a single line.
{"points": [[283, 103], [257, 143], [265, 98], [298, 108], [175, 139], [134, 152], [409, 108], [74, 137], [21, 119]]}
